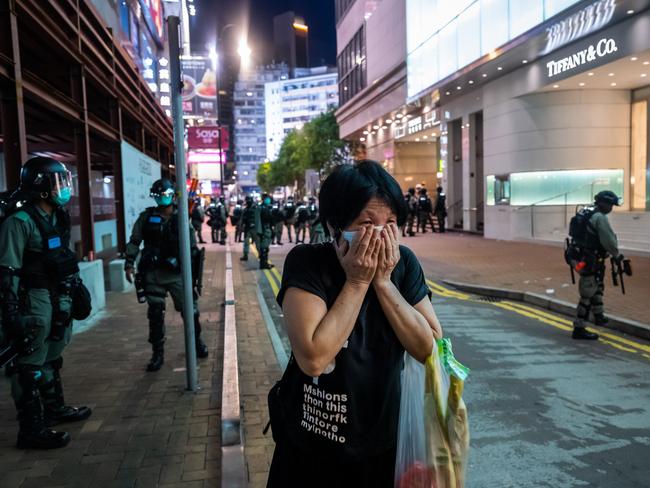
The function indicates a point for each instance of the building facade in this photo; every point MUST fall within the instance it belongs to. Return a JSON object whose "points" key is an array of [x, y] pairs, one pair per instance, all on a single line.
{"points": [[292, 102], [75, 94], [533, 108], [291, 41], [250, 121]]}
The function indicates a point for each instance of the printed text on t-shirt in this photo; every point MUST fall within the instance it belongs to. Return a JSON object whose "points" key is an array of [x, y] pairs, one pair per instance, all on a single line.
{"points": [[324, 413]]}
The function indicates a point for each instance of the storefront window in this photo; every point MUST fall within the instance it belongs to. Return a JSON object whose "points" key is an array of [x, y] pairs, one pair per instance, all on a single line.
{"points": [[640, 172], [571, 187], [498, 190]]}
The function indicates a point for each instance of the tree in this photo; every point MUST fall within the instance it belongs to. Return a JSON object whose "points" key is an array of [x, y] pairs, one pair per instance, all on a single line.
{"points": [[316, 146]]}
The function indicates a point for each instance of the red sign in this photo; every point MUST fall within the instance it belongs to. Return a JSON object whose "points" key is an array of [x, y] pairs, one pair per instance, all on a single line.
{"points": [[154, 17], [207, 137]]}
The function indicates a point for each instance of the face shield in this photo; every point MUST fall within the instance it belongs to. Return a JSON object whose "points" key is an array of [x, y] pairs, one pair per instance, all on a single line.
{"points": [[164, 198], [60, 187]]}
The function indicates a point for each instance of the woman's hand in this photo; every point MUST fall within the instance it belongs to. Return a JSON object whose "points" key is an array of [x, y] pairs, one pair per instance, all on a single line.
{"points": [[359, 259], [389, 255]]}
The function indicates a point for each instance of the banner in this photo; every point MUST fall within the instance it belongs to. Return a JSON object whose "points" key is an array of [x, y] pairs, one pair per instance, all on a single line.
{"points": [[199, 88], [152, 11], [207, 137], [139, 171]]}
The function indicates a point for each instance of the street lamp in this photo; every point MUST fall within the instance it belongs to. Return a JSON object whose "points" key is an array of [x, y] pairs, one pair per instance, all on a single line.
{"points": [[244, 52]]}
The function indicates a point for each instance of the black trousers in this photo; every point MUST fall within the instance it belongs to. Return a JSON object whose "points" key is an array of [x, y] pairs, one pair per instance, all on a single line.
{"points": [[294, 467]]}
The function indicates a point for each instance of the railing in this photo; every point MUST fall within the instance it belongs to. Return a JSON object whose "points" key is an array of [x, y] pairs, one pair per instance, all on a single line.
{"points": [[565, 206], [451, 212]]}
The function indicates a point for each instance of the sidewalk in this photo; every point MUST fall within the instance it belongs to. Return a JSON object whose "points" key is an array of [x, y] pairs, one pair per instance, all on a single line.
{"points": [[524, 266], [146, 430]]}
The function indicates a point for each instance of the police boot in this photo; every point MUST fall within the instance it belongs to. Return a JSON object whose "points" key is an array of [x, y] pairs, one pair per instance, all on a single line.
{"points": [[601, 320], [33, 432], [56, 411], [201, 348], [584, 334], [158, 357]]}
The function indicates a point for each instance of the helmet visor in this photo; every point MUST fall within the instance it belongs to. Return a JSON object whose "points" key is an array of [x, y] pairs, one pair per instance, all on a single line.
{"points": [[169, 192], [61, 182]]}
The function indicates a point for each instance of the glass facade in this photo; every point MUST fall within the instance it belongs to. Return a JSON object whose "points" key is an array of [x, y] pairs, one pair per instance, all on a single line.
{"points": [[444, 37], [352, 67], [564, 187]]}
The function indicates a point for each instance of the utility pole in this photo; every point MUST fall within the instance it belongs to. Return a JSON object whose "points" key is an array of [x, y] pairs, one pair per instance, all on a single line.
{"points": [[183, 213]]}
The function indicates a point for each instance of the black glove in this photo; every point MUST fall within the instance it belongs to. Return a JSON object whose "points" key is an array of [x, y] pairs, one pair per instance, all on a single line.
{"points": [[11, 324]]}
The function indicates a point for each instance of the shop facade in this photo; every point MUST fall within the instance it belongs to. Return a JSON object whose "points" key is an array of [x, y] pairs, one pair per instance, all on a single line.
{"points": [[528, 113]]}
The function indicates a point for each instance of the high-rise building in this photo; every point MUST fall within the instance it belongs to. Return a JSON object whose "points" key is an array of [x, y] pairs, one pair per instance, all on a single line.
{"points": [[292, 102], [291, 41], [250, 121]]}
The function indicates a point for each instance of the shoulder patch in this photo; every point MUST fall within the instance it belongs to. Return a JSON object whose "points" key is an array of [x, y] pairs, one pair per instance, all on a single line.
{"points": [[22, 216]]}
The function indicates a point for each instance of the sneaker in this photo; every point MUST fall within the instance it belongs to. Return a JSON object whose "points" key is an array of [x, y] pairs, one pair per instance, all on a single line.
{"points": [[581, 333]]}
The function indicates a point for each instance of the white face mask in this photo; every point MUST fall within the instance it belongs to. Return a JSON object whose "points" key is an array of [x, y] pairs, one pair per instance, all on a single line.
{"points": [[349, 235]]}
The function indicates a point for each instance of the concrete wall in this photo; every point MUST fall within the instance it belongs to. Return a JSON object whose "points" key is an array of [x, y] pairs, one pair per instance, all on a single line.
{"points": [[558, 130]]}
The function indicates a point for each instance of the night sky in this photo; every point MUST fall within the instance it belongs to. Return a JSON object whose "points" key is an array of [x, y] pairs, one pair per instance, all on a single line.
{"points": [[318, 14]]}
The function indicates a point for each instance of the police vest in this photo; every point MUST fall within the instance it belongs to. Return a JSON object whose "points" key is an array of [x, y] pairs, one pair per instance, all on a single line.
{"points": [[55, 263], [160, 235]]}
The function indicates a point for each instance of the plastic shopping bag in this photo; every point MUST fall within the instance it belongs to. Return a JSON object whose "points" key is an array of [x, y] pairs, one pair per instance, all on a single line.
{"points": [[411, 470], [433, 429]]}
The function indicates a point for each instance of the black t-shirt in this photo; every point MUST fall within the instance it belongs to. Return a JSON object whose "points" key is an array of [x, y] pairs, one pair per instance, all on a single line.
{"points": [[352, 409]]}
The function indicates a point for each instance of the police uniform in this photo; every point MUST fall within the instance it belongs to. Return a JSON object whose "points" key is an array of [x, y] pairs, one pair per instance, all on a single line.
{"points": [[235, 220], [159, 268], [265, 211], [301, 223], [412, 207], [278, 223], [218, 216], [289, 213], [251, 226], [38, 274], [440, 210], [424, 211], [601, 242], [197, 220]]}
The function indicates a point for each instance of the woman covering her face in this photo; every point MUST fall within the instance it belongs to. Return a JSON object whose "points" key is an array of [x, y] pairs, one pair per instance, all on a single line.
{"points": [[352, 307]]}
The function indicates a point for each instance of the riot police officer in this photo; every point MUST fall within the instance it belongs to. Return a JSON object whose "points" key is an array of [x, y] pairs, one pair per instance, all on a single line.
{"points": [[599, 242], [235, 220], [412, 206], [302, 219], [424, 211], [278, 223], [38, 276], [197, 217], [289, 212], [440, 210], [250, 226], [266, 222], [217, 217], [159, 267]]}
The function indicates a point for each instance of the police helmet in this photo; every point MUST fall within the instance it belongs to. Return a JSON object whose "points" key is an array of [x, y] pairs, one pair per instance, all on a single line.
{"points": [[45, 178], [162, 191], [608, 197], [249, 200]]}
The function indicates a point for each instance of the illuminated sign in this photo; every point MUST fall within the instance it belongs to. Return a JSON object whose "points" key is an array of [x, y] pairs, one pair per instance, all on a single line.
{"points": [[152, 11], [414, 125], [585, 21], [207, 137], [601, 49]]}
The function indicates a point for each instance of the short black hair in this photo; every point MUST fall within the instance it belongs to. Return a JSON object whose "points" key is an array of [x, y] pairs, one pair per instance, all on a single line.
{"points": [[349, 188]]}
